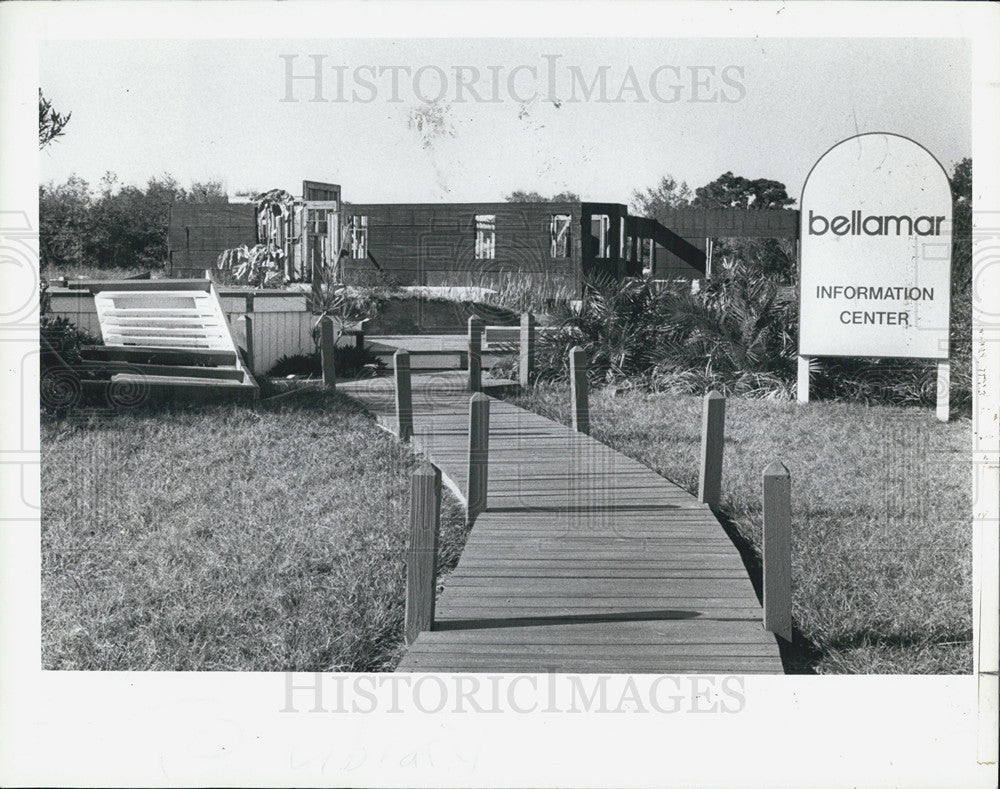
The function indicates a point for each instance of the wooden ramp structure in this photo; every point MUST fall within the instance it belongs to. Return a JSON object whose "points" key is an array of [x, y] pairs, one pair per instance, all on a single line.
{"points": [[584, 561], [166, 335]]}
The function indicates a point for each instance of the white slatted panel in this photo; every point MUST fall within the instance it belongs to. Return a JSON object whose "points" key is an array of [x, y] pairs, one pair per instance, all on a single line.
{"points": [[163, 319], [278, 334]]}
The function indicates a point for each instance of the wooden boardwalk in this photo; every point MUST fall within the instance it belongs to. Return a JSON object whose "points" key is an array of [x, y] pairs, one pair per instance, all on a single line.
{"points": [[585, 560]]}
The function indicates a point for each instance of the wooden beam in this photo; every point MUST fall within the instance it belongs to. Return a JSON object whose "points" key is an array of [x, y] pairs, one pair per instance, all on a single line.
{"points": [[141, 354], [139, 285], [175, 370], [421, 552]]}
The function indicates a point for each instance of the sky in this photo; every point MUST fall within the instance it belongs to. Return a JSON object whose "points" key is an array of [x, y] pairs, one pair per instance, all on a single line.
{"points": [[388, 128]]}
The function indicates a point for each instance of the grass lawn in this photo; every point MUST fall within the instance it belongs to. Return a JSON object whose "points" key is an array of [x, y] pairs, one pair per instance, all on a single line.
{"points": [[881, 509], [218, 537]]}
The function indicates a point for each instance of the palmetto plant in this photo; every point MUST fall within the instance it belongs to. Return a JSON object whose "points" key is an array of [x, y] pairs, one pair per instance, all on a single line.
{"points": [[615, 323], [343, 303], [737, 334], [741, 323]]}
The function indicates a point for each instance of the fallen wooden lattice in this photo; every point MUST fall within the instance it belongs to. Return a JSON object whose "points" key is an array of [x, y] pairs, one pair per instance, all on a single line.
{"points": [[167, 334]]}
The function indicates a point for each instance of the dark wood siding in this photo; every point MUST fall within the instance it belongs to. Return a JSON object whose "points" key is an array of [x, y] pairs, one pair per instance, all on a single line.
{"points": [[731, 223], [318, 190], [434, 244], [199, 232]]}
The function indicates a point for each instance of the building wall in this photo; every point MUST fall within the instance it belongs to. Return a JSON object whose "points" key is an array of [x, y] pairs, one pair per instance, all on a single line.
{"points": [[434, 243], [198, 233]]}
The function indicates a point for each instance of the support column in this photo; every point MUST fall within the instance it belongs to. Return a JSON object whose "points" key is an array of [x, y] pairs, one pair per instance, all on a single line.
{"points": [[943, 390], [802, 386]]}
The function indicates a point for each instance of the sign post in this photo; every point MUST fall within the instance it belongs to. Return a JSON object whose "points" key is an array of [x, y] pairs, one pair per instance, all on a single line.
{"points": [[876, 256]]}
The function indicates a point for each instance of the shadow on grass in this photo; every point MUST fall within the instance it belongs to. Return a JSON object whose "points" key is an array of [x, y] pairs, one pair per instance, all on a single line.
{"points": [[801, 656], [274, 397]]}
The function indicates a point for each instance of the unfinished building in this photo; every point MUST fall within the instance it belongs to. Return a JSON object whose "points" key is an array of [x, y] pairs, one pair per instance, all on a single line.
{"points": [[463, 243]]}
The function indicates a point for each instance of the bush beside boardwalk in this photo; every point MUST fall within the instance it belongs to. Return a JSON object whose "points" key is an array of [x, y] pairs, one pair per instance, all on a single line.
{"points": [[881, 500]]}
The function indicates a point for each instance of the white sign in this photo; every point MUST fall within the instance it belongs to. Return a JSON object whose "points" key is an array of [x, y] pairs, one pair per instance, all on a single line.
{"points": [[875, 251]]}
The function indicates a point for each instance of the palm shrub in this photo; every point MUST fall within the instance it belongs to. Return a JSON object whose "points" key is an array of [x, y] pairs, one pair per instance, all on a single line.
{"points": [[616, 324], [738, 335]]}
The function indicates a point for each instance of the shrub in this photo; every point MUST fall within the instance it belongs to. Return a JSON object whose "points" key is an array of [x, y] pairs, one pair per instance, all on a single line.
{"points": [[735, 335], [61, 365], [349, 360], [617, 324]]}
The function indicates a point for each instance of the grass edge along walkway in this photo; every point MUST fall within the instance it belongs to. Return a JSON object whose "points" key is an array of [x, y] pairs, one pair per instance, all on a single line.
{"points": [[584, 561]]}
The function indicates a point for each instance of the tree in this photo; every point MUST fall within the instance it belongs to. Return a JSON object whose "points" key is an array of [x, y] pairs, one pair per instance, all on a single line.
{"points": [[64, 217], [51, 124], [733, 191], [665, 196], [961, 205], [520, 196], [206, 192]]}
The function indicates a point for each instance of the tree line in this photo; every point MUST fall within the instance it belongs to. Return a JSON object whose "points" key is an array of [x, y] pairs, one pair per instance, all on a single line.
{"points": [[114, 225]]}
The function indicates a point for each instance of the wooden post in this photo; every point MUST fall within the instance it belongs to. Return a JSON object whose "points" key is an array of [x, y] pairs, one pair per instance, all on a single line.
{"points": [[802, 384], [476, 327], [777, 550], [712, 437], [404, 398], [578, 389], [359, 340], [943, 390], [527, 349], [248, 342], [421, 551], [479, 452], [327, 347]]}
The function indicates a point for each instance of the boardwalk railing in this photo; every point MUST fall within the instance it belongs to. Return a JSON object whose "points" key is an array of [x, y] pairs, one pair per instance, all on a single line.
{"points": [[578, 390], [516, 339], [712, 439], [479, 455], [404, 395], [425, 521], [777, 550], [476, 327], [422, 550]]}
